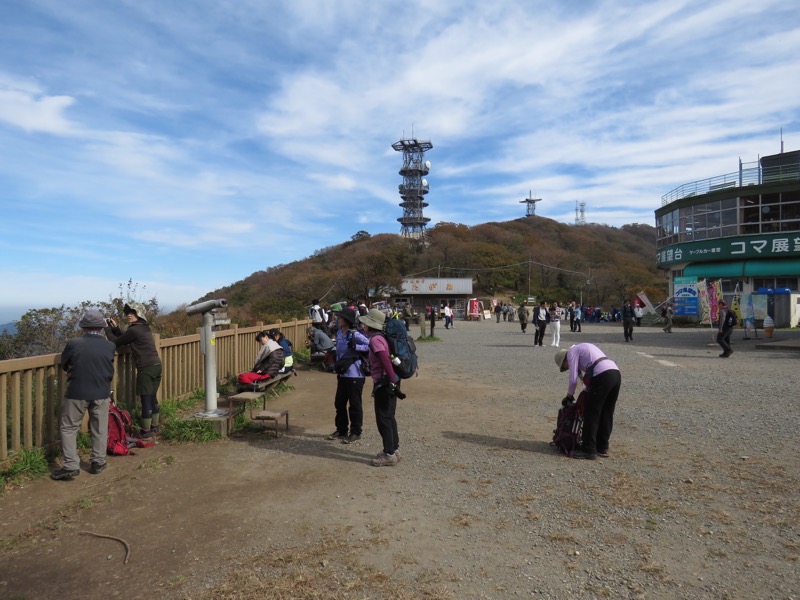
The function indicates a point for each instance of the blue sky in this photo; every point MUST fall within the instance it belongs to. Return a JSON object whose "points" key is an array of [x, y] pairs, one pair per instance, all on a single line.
{"points": [[186, 145]]}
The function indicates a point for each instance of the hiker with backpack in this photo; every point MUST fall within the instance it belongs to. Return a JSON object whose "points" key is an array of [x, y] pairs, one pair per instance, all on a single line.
{"points": [[88, 362], [352, 347], [602, 379], [384, 380], [148, 364], [319, 318]]}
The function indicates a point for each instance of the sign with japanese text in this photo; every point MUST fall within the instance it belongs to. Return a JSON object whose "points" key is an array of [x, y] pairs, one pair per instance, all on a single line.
{"points": [[774, 245], [685, 296]]}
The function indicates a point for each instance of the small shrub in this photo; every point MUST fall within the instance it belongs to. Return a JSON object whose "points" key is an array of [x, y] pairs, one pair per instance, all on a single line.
{"points": [[24, 466], [189, 430]]}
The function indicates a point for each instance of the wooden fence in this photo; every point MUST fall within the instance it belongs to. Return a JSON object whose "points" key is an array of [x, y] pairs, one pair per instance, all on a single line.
{"points": [[31, 388]]}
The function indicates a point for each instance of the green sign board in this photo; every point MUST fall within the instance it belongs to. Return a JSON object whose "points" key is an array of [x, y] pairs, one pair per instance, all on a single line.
{"points": [[772, 245]]}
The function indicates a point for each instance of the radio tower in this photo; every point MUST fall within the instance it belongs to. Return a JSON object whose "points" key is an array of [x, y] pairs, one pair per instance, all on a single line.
{"points": [[580, 216], [530, 210], [414, 186]]}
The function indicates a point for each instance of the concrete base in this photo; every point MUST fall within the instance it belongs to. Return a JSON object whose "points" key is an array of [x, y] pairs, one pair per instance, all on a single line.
{"points": [[220, 425]]}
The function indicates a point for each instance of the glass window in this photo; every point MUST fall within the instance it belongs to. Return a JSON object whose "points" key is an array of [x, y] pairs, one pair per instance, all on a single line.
{"points": [[749, 201], [730, 230], [748, 229], [750, 214], [770, 198], [713, 220], [729, 203], [770, 213], [709, 207], [700, 234], [790, 211], [790, 225], [770, 227], [793, 196], [728, 217]]}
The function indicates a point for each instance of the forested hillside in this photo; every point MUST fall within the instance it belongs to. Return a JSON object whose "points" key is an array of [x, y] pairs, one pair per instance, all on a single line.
{"points": [[506, 260]]}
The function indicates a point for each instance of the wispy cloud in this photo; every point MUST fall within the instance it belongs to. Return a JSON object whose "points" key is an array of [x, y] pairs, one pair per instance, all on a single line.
{"points": [[143, 137]]}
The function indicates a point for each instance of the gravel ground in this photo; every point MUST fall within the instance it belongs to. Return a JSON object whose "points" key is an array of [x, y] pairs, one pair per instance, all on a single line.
{"points": [[699, 498]]}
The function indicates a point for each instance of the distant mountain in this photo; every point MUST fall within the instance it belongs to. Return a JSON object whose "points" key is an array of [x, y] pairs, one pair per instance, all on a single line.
{"points": [[9, 328], [506, 260]]}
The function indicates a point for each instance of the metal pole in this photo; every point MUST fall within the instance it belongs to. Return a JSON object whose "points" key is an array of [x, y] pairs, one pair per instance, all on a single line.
{"points": [[210, 361]]}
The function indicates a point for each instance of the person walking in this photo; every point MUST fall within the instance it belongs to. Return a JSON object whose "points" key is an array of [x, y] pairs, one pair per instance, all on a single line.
{"points": [[498, 310], [555, 323], [384, 381], [448, 316], [668, 314], [148, 364], [603, 380], [578, 317], [540, 319], [522, 314], [627, 320], [638, 313], [727, 321], [350, 343], [88, 362]]}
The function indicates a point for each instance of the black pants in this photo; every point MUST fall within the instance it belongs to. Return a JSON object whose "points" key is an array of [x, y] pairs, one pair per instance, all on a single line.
{"points": [[724, 340], [598, 413], [627, 326], [348, 391], [539, 336], [523, 325], [385, 408]]}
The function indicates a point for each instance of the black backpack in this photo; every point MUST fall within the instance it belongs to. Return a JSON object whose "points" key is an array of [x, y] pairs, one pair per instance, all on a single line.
{"points": [[569, 425], [401, 347]]}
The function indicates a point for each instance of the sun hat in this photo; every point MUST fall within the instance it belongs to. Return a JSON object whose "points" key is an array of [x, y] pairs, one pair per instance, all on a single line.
{"points": [[92, 319], [374, 319], [560, 356], [348, 314], [137, 309]]}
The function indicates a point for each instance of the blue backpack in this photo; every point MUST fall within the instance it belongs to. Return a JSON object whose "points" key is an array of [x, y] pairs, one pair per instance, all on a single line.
{"points": [[401, 347]]}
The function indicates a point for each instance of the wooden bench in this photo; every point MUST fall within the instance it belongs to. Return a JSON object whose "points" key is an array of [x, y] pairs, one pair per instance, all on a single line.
{"points": [[260, 392]]}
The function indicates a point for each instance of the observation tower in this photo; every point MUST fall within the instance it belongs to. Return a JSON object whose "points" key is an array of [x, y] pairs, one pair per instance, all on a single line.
{"points": [[414, 186]]}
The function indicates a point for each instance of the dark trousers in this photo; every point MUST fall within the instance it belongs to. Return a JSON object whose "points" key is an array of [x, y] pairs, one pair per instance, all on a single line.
{"points": [[348, 391], [577, 325], [523, 325], [627, 326], [598, 413], [539, 335], [724, 340], [385, 407], [572, 323]]}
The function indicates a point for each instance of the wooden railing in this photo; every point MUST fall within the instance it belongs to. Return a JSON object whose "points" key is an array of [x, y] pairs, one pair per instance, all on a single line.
{"points": [[31, 388]]}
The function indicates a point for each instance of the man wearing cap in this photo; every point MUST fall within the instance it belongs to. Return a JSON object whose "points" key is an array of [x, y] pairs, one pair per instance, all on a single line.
{"points": [[383, 390], [351, 345], [602, 379], [148, 363], [88, 362]]}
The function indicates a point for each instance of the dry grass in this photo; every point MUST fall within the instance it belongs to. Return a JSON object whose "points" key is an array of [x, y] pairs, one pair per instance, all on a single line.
{"points": [[329, 569]]}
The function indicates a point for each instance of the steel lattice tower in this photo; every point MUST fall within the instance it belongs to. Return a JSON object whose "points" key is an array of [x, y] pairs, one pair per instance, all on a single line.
{"points": [[414, 186]]}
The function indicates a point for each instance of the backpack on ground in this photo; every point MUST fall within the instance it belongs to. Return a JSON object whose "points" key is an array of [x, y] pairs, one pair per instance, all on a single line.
{"points": [[119, 425], [401, 347], [569, 426]]}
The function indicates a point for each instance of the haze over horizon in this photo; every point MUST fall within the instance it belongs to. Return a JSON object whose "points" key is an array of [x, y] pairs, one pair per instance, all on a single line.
{"points": [[185, 147]]}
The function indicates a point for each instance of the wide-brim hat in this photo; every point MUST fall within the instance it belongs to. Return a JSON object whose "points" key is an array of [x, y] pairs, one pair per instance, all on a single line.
{"points": [[374, 319], [92, 319], [348, 314], [137, 308], [561, 355]]}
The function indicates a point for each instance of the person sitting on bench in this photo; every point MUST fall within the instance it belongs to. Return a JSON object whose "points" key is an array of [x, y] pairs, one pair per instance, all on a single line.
{"points": [[269, 361], [286, 345]]}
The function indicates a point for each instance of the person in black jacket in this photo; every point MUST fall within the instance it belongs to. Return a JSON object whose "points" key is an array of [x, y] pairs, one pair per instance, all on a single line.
{"points": [[727, 321], [88, 362], [627, 320], [148, 364], [541, 317]]}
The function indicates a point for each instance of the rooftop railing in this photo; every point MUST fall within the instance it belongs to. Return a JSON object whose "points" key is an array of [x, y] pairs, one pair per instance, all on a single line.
{"points": [[742, 178]]}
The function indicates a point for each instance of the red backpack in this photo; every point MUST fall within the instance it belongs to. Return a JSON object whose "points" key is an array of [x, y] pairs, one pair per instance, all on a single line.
{"points": [[119, 424]]}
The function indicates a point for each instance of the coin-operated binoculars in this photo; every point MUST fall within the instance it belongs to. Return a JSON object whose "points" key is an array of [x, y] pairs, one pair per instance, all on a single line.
{"points": [[208, 349]]}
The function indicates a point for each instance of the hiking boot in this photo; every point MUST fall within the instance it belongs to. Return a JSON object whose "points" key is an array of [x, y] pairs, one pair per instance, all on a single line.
{"points": [[603, 453], [351, 439], [397, 454], [384, 460], [336, 436], [145, 434], [62, 473], [582, 454], [97, 468], [155, 429]]}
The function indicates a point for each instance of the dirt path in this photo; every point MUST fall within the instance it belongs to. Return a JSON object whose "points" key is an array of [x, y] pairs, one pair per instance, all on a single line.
{"points": [[694, 503]]}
